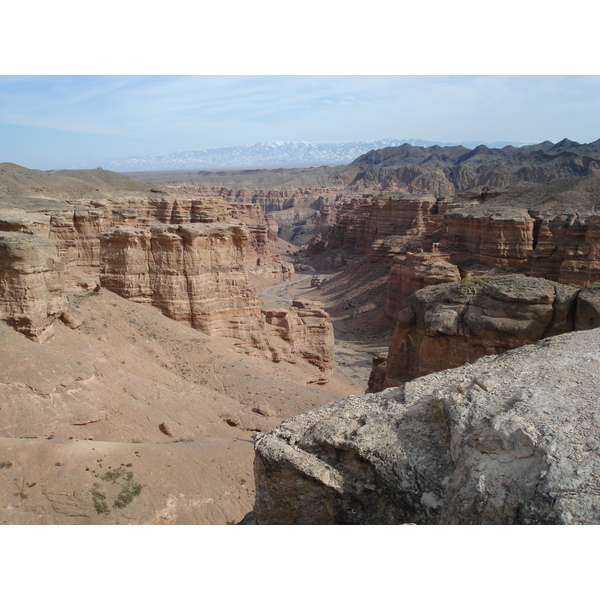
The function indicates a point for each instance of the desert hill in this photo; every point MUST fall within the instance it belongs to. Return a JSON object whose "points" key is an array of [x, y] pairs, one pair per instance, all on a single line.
{"points": [[19, 186], [436, 169], [295, 196], [130, 389]]}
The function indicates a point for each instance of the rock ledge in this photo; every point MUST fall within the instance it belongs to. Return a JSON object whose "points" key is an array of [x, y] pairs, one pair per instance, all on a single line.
{"points": [[510, 439]]}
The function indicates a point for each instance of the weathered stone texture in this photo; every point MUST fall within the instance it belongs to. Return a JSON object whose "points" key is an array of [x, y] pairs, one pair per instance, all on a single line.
{"points": [[363, 224], [304, 331], [448, 325], [496, 237], [20, 221], [31, 283], [511, 439], [413, 272], [193, 273]]}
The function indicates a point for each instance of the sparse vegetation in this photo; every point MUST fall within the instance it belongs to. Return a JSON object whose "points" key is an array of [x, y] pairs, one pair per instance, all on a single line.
{"points": [[99, 500], [128, 490], [471, 282]]}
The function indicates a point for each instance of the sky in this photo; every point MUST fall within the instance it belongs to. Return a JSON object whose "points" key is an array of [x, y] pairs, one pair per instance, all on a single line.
{"points": [[58, 121], [80, 83]]}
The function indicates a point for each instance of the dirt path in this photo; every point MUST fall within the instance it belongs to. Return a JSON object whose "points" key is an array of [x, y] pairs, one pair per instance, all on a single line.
{"points": [[353, 356], [280, 292]]}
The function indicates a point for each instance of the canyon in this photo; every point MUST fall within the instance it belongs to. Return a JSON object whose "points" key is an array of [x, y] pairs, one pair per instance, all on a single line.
{"points": [[167, 319]]}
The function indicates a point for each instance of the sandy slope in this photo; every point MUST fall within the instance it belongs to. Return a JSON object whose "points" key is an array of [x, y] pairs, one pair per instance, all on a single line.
{"points": [[95, 397]]}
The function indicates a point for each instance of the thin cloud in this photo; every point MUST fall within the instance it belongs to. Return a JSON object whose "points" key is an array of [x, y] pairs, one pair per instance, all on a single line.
{"points": [[160, 114]]}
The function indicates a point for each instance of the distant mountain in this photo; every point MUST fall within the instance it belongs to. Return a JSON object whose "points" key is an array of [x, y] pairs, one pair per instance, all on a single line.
{"points": [[269, 154], [447, 170]]}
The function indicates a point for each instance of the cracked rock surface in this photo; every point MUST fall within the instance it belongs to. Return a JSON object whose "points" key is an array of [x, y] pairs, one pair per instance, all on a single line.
{"points": [[510, 439]]}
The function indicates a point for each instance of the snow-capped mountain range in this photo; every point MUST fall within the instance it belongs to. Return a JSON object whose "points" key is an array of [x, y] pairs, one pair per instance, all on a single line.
{"points": [[269, 154]]}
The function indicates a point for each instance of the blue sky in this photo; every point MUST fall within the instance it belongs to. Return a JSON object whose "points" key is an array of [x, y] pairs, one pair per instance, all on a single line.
{"points": [[58, 121]]}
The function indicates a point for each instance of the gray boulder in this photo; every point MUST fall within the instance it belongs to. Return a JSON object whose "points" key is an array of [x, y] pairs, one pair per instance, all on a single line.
{"points": [[510, 439]]}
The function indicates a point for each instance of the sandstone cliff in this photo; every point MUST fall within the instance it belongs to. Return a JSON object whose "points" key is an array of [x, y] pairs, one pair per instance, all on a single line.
{"points": [[196, 274], [412, 272], [303, 331], [193, 273], [31, 283], [448, 325], [362, 223], [509, 440]]}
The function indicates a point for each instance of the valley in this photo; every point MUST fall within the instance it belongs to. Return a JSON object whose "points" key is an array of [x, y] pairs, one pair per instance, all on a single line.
{"points": [[195, 347]]}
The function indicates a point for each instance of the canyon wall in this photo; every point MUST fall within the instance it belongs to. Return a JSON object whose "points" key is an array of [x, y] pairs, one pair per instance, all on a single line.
{"points": [[196, 274], [412, 272], [362, 223], [31, 283], [448, 325], [76, 229], [304, 331], [189, 256], [501, 238], [193, 273], [511, 439]]}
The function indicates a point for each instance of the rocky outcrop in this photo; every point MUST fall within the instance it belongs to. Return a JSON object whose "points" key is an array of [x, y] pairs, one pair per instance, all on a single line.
{"points": [[412, 272], [448, 325], [511, 439], [303, 331], [193, 273], [31, 284], [361, 224], [196, 274], [568, 249], [451, 170], [496, 237], [76, 234], [21, 221]]}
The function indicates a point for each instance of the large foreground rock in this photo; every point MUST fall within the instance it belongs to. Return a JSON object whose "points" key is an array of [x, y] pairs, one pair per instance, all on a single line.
{"points": [[510, 439]]}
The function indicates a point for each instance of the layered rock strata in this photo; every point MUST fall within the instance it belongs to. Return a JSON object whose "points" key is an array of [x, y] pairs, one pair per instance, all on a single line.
{"points": [[360, 224], [76, 234], [413, 272], [448, 325], [303, 331], [31, 283], [568, 249], [509, 440], [193, 273], [76, 230], [20, 221], [496, 237], [196, 274]]}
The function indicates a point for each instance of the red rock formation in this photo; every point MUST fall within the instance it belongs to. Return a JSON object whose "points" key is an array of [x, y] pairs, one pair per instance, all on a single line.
{"points": [[568, 249], [303, 331], [498, 238], [31, 283], [196, 274], [193, 273], [448, 325], [76, 231], [413, 272], [361, 224], [76, 234], [24, 222]]}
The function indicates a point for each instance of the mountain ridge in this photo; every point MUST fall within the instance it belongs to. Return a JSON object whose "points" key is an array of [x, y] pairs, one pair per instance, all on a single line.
{"points": [[266, 154]]}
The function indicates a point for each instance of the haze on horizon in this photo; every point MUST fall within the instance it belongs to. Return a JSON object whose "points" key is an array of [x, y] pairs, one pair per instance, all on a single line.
{"points": [[52, 122]]}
